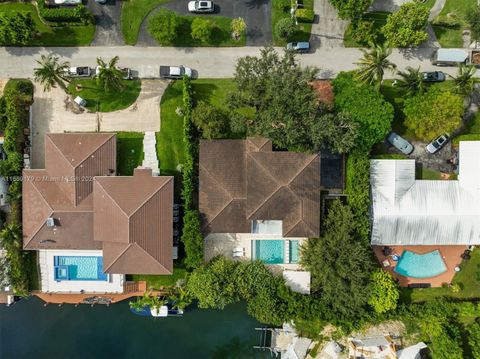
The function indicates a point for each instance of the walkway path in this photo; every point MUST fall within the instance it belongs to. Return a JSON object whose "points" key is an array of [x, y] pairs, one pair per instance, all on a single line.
{"points": [[107, 23], [436, 9], [208, 62], [328, 28], [150, 159]]}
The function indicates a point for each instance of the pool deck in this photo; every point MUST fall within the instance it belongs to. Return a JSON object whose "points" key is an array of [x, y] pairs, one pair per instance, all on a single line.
{"points": [[450, 254], [131, 289]]}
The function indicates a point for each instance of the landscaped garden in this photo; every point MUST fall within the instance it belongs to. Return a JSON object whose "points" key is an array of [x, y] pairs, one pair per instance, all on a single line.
{"points": [[159, 282], [170, 29], [105, 101], [129, 152], [45, 33], [283, 26]]}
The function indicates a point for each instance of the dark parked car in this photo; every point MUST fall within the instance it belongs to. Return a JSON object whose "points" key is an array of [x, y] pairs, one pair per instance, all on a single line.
{"points": [[298, 46], [434, 76], [400, 143], [437, 143]]}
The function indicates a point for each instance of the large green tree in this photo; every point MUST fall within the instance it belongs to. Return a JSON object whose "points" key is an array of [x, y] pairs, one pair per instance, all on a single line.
{"points": [[351, 9], [366, 107], [474, 339], [286, 106], [212, 121], [433, 113], [109, 76], [406, 27], [16, 28], [373, 64], [465, 81], [51, 72], [201, 29], [340, 263]]}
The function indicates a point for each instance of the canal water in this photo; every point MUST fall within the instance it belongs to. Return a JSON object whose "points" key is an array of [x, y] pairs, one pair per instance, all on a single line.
{"points": [[30, 330]]}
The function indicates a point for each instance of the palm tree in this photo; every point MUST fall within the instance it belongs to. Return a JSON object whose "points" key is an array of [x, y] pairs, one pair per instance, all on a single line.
{"points": [[52, 72], [465, 81], [181, 298], [109, 76], [411, 81], [373, 65]]}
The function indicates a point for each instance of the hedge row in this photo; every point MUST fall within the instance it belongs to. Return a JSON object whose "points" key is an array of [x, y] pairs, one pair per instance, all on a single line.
{"points": [[72, 14], [18, 96], [191, 234]]}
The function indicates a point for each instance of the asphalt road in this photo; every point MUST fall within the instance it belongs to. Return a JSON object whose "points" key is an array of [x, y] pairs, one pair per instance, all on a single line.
{"points": [[208, 62]]}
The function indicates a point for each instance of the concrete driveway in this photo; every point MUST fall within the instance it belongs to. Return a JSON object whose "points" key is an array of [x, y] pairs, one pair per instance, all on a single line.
{"points": [[256, 13], [107, 23], [50, 115]]}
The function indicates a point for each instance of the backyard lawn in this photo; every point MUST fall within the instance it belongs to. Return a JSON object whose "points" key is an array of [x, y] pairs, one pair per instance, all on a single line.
{"points": [[106, 101], [133, 13], [159, 281], [468, 279], [221, 33], [53, 36], [451, 36], [129, 152], [279, 12]]}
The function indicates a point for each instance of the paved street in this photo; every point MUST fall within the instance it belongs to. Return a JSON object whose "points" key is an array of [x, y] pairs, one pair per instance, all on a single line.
{"points": [[209, 62]]}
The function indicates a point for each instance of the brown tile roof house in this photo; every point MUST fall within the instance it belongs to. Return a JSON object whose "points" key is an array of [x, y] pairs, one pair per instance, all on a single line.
{"points": [[60, 209], [244, 180]]}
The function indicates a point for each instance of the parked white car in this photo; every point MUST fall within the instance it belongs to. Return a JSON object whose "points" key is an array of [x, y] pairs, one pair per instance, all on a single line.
{"points": [[400, 143], [437, 143], [67, 2], [201, 6]]}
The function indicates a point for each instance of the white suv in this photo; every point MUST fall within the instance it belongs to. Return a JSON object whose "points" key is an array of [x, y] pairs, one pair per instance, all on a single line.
{"points": [[201, 6]]}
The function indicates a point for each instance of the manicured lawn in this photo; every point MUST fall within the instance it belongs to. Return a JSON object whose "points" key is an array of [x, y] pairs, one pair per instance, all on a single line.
{"points": [[471, 132], [100, 100], [129, 152], [133, 13], [279, 13], [379, 19], [468, 279], [159, 281], [221, 34], [53, 36], [451, 36], [170, 146]]}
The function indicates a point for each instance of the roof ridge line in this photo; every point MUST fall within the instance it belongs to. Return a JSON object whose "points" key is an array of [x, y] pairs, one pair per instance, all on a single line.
{"points": [[212, 177], [116, 259], [149, 197], [108, 194], [156, 260], [61, 153], [41, 225], [96, 149]]}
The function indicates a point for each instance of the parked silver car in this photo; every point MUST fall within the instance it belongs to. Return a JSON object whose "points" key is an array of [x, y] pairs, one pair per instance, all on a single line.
{"points": [[400, 143], [437, 143]]}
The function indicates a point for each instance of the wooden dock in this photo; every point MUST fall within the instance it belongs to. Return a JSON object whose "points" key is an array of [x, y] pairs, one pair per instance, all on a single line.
{"points": [[131, 289]]}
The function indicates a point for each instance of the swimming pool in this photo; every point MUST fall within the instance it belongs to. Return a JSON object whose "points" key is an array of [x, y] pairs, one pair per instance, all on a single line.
{"points": [[416, 265], [79, 268], [272, 251]]}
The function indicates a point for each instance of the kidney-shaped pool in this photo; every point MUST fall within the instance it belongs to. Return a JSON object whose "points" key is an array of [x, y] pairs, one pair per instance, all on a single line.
{"points": [[416, 265]]}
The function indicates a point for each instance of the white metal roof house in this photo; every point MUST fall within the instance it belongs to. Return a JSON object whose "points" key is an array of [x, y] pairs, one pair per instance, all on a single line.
{"points": [[407, 211]]}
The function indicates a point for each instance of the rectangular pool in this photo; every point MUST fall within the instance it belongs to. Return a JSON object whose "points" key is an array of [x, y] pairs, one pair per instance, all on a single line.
{"points": [[275, 251], [79, 268]]}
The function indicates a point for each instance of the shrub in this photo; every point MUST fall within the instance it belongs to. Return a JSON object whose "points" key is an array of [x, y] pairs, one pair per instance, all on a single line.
{"points": [[351, 9], [474, 339], [163, 26], [281, 4], [385, 293], [363, 32], [238, 28], [16, 28], [201, 29], [192, 239], [433, 113], [406, 27], [285, 28], [305, 15], [473, 19], [73, 14]]}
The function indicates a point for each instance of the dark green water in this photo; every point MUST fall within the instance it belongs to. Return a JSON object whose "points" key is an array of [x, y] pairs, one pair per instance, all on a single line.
{"points": [[30, 330]]}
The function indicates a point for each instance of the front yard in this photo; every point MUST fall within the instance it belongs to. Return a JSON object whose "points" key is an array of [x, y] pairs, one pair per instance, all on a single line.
{"points": [[281, 10], [449, 25], [48, 35], [105, 101], [129, 152]]}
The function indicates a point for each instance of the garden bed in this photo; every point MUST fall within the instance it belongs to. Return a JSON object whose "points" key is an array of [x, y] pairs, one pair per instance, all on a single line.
{"points": [[80, 35], [105, 101]]}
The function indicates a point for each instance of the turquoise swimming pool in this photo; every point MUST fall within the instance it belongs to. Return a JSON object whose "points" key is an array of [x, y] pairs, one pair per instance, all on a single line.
{"points": [[416, 265], [272, 251], [79, 268]]}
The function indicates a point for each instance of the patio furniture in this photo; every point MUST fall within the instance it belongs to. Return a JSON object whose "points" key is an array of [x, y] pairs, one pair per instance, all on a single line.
{"points": [[387, 251], [386, 263], [466, 255], [395, 257], [419, 285]]}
